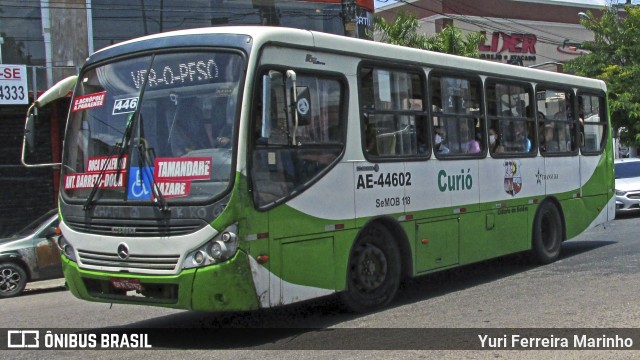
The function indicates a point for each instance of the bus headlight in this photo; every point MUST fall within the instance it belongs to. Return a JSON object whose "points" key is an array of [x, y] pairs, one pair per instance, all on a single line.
{"points": [[199, 257], [218, 250], [222, 247], [66, 248]]}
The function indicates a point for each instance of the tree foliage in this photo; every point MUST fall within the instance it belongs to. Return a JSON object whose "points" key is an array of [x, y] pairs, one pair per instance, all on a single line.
{"points": [[403, 30], [614, 57]]}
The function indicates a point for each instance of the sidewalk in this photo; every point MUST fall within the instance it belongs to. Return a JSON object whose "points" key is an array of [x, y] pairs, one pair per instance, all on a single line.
{"points": [[46, 284]]}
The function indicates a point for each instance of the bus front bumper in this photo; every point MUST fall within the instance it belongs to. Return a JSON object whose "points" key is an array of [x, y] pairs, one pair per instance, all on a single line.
{"points": [[227, 286]]}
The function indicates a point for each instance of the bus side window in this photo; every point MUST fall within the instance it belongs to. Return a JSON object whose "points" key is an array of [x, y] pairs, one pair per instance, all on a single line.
{"points": [[593, 123], [392, 113], [560, 129], [510, 112], [457, 113]]}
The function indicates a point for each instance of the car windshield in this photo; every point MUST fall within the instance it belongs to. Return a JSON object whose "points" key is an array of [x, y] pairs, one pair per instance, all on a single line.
{"points": [[625, 170], [154, 124], [36, 224]]}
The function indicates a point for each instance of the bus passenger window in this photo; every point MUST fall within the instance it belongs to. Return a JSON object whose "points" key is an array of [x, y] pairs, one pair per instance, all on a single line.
{"points": [[593, 123], [560, 126], [392, 113], [457, 115], [510, 112]]}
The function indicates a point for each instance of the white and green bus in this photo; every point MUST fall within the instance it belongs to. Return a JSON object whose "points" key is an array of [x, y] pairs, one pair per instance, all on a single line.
{"points": [[241, 168]]}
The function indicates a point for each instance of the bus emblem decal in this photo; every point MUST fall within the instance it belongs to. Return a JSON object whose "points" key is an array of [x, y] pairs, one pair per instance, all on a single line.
{"points": [[123, 251], [512, 177], [314, 60]]}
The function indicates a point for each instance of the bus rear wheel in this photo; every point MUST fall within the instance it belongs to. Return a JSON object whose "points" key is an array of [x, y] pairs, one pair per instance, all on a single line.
{"points": [[547, 234], [373, 273]]}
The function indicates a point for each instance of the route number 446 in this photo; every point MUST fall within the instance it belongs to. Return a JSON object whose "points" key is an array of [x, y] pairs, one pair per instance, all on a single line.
{"points": [[124, 106]]}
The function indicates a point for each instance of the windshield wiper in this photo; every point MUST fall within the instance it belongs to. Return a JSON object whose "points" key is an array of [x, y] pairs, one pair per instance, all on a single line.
{"points": [[146, 161], [120, 149], [123, 146]]}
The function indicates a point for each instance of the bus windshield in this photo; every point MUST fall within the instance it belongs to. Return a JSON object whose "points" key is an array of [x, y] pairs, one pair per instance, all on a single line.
{"points": [[154, 126]]}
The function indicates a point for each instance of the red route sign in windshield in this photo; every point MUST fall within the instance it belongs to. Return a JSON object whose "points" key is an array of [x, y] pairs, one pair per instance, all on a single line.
{"points": [[89, 101], [182, 169]]}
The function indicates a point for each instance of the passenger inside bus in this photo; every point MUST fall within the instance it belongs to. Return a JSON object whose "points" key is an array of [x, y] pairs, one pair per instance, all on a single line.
{"points": [[549, 141], [522, 140], [468, 144], [223, 137], [495, 145], [439, 137], [186, 128]]}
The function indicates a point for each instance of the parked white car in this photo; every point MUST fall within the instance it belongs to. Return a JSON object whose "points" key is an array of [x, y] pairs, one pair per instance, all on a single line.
{"points": [[627, 173]]}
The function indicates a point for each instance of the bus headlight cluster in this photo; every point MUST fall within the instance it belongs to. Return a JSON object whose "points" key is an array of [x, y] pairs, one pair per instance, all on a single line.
{"points": [[222, 247], [66, 248], [218, 250]]}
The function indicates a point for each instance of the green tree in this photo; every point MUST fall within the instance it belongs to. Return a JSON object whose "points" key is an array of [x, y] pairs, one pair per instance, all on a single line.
{"points": [[614, 57], [403, 30]]}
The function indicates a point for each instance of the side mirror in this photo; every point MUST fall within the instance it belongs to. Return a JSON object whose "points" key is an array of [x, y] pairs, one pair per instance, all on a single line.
{"points": [[29, 128], [57, 91], [49, 233]]}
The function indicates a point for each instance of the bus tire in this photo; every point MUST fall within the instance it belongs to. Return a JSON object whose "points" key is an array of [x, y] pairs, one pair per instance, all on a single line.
{"points": [[547, 234], [373, 272], [13, 280]]}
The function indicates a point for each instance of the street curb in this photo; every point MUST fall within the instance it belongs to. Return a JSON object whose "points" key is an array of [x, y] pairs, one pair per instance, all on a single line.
{"points": [[46, 284]]}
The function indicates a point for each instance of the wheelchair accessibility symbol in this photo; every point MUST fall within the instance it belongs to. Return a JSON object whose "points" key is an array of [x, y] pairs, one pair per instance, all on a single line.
{"points": [[140, 183]]}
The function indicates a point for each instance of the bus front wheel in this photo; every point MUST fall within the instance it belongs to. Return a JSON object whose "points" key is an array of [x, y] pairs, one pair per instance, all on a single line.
{"points": [[373, 273], [547, 234]]}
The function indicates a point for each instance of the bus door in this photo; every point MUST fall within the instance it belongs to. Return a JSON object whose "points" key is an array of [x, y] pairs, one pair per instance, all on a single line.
{"points": [[298, 137]]}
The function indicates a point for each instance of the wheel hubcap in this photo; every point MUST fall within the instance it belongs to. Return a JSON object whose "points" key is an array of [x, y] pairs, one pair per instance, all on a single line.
{"points": [[9, 280], [371, 269]]}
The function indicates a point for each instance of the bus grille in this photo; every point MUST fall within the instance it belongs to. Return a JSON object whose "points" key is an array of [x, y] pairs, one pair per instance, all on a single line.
{"points": [[137, 228], [142, 262]]}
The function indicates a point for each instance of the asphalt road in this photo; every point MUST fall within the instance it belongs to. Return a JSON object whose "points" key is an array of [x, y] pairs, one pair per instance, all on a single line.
{"points": [[594, 284]]}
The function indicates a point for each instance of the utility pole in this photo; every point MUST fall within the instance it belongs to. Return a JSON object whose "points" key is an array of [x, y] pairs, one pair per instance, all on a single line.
{"points": [[349, 16]]}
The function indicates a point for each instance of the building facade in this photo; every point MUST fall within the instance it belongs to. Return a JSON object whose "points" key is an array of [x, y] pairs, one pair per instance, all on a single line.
{"points": [[537, 33]]}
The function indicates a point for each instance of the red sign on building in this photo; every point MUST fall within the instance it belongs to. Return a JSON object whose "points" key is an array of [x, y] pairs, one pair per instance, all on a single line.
{"points": [[514, 47]]}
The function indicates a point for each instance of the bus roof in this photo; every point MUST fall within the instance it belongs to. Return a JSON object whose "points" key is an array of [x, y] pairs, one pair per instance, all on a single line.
{"points": [[261, 35]]}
